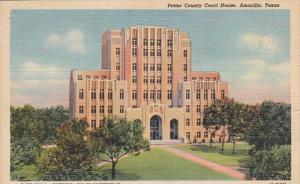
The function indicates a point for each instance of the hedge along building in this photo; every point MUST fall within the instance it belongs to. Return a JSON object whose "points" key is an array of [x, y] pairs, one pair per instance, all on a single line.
{"points": [[146, 76]]}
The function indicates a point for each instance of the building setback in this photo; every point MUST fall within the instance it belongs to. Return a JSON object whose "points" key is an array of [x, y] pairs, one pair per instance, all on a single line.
{"points": [[146, 76]]}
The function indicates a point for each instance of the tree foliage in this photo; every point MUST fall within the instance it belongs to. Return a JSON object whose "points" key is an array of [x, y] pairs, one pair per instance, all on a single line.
{"points": [[272, 127], [274, 164], [72, 158], [117, 138]]}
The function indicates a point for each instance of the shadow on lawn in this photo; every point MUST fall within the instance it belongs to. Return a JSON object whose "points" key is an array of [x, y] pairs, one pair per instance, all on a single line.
{"points": [[121, 175], [206, 148]]}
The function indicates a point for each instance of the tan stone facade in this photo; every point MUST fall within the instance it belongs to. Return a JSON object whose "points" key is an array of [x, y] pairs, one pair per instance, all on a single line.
{"points": [[146, 75]]}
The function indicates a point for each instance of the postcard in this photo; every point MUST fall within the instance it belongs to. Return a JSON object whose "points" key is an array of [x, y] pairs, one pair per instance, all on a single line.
{"points": [[149, 92]]}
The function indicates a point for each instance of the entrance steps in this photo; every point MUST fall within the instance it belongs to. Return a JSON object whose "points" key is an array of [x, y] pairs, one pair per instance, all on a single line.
{"points": [[164, 142]]}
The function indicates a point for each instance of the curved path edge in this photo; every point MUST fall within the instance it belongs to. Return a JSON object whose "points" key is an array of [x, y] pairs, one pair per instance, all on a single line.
{"points": [[214, 166]]}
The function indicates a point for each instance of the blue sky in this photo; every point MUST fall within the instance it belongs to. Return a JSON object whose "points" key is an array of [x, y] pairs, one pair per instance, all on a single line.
{"points": [[250, 48]]}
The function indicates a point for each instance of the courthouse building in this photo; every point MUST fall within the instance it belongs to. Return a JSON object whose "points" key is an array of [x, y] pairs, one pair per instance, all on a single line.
{"points": [[147, 76]]}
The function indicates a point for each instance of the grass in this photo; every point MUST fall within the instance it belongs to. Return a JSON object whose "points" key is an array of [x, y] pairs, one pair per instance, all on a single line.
{"points": [[25, 173], [159, 164], [214, 154]]}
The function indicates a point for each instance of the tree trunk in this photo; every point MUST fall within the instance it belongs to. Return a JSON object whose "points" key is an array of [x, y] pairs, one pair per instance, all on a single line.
{"points": [[223, 139], [210, 141], [233, 149], [113, 169]]}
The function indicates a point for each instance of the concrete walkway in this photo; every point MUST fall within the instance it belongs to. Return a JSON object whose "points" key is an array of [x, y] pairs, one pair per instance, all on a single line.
{"points": [[214, 166]]}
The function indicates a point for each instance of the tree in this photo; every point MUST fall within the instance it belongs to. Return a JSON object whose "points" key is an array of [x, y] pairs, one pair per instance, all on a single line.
{"points": [[274, 164], [117, 138], [271, 128], [223, 114], [72, 158]]}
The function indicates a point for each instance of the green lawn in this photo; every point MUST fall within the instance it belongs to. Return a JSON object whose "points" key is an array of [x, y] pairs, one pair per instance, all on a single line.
{"points": [[159, 164], [214, 154], [25, 173]]}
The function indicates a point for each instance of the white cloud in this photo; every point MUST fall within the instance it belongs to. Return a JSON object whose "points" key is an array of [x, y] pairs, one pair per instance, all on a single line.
{"points": [[31, 66], [257, 41], [257, 68], [72, 40]]}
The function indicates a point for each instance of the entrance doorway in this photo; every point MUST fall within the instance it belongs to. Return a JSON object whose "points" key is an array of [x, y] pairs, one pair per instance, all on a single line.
{"points": [[174, 129], [155, 128]]}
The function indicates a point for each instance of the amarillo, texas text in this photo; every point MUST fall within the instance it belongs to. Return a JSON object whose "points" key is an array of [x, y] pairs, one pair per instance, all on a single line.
{"points": [[223, 5]]}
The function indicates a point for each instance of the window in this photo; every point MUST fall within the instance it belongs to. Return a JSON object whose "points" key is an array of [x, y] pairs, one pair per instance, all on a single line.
{"points": [[193, 78], [145, 79], [145, 42], [134, 80], [145, 95], [188, 135], [205, 134], [185, 53], [134, 106], [121, 109], [169, 67], [81, 109], [169, 79], [152, 52], [169, 94], [170, 43], [145, 52], [198, 121], [185, 67], [134, 51], [101, 94], [117, 66], [187, 122], [134, 66], [101, 122], [187, 108], [158, 52], [152, 94], [213, 134], [145, 67], [204, 107], [158, 93], [79, 77], [158, 67], [109, 94], [205, 95], [101, 110], [80, 93], [134, 41], [118, 77], [110, 110], [198, 134], [151, 42], [201, 78], [134, 94], [93, 109], [117, 51], [158, 43], [103, 77], [207, 79], [187, 94], [222, 94], [158, 80], [170, 53], [121, 94], [214, 79], [198, 94], [198, 108], [93, 124], [152, 80], [185, 78], [213, 94], [93, 94], [152, 67]]}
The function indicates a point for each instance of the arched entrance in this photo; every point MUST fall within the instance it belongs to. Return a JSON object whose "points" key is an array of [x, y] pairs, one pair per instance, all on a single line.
{"points": [[155, 128], [174, 129]]}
